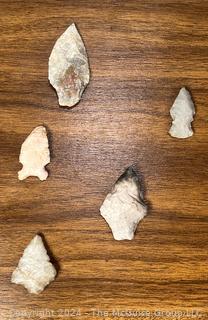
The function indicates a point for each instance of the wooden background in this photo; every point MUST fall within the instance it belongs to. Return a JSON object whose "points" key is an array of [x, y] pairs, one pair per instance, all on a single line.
{"points": [[141, 53]]}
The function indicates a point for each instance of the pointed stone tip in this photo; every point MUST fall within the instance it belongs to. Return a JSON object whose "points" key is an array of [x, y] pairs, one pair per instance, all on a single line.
{"points": [[39, 129], [73, 26], [37, 238], [184, 90], [129, 173], [70, 30], [186, 93]]}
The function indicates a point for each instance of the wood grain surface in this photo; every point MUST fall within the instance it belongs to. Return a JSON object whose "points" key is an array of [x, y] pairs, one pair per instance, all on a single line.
{"points": [[141, 53]]}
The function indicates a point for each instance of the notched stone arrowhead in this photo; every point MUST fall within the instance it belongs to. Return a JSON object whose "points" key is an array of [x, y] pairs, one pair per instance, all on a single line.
{"points": [[182, 113], [69, 70], [34, 270], [35, 155], [123, 207]]}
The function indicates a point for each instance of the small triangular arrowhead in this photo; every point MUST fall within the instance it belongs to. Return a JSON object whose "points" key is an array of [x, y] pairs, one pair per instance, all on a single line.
{"points": [[182, 112], [34, 271], [35, 155]]}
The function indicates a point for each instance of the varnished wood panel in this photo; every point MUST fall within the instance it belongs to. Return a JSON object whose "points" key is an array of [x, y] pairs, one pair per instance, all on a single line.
{"points": [[141, 53]]}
